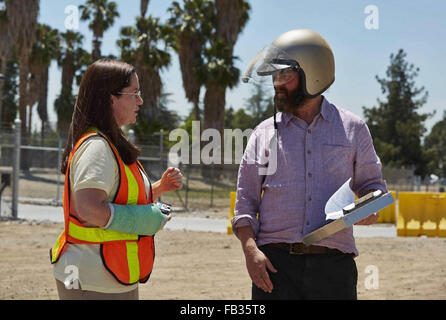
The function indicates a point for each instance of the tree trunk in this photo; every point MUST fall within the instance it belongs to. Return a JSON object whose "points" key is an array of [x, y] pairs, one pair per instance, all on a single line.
{"points": [[3, 62], [96, 53], [144, 5], [30, 116], [214, 106], [197, 111], [189, 55], [151, 87], [23, 75], [214, 117]]}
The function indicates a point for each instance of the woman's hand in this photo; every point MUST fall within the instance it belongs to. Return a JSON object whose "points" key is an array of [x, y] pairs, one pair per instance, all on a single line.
{"points": [[171, 180]]}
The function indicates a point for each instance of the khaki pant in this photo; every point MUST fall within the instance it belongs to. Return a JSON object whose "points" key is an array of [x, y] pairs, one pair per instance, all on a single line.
{"points": [[79, 294]]}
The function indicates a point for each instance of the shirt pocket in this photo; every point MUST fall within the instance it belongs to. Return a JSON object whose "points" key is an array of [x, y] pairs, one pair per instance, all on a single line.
{"points": [[287, 198]]}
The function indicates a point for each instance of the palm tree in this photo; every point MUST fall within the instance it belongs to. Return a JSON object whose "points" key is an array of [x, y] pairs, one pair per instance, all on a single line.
{"points": [[139, 47], [144, 5], [192, 25], [231, 17], [45, 50], [6, 46], [72, 59], [22, 16], [10, 91], [102, 15]]}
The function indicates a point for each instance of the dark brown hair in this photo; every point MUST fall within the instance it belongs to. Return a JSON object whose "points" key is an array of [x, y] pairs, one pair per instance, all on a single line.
{"points": [[102, 79]]}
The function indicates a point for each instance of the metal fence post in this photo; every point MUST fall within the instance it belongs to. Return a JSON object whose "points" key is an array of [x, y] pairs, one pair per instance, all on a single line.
{"points": [[59, 160], [161, 149], [16, 167]]}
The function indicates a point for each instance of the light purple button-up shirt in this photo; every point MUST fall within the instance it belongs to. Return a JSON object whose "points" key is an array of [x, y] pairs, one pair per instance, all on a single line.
{"points": [[313, 161]]}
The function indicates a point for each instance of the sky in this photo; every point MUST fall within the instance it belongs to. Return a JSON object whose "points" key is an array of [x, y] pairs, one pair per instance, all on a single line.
{"points": [[362, 42]]}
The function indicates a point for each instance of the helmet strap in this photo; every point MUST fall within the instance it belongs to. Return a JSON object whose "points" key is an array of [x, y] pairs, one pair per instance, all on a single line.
{"points": [[275, 122], [301, 95]]}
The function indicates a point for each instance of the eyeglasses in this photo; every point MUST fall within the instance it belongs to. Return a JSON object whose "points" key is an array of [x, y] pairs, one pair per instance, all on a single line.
{"points": [[135, 94], [284, 77]]}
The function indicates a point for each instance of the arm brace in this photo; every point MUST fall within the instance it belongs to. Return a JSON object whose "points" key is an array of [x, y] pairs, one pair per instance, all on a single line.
{"points": [[136, 219]]}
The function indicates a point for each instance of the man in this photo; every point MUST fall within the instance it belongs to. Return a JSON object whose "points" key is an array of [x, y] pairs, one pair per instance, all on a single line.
{"points": [[319, 146]]}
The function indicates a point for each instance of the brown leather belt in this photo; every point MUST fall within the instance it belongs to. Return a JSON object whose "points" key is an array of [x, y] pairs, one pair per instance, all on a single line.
{"points": [[300, 248]]}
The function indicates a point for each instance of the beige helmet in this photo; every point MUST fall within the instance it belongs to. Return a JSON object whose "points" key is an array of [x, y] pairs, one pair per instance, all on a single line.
{"points": [[304, 50]]}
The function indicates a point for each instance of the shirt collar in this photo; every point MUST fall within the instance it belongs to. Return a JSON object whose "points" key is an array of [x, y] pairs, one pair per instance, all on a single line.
{"points": [[326, 112]]}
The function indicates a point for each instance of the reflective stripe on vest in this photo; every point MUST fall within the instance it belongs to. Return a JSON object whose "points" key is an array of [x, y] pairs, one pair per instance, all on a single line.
{"points": [[128, 257], [132, 187], [132, 258], [98, 235], [56, 251]]}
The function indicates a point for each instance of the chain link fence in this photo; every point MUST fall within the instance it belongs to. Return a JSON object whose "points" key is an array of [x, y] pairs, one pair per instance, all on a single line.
{"points": [[204, 186]]}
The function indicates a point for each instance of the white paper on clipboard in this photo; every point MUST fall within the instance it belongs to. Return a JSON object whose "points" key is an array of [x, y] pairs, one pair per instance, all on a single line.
{"points": [[343, 197]]}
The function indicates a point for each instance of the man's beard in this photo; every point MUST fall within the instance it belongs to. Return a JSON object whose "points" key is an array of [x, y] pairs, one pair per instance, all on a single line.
{"points": [[288, 103]]}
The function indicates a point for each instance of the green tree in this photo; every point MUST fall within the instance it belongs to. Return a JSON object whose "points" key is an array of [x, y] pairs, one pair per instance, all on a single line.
{"points": [[238, 119], [395, 125], [259, 104], [102, 15], [229, 117], [435, 146], [242, 120], [165, 120]]}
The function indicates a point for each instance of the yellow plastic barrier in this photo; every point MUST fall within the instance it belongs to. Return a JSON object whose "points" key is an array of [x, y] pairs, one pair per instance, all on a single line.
{"points": [[411, 206], [421, 213], [442, 217], [231, 211], [387, 215], [436, 210]]}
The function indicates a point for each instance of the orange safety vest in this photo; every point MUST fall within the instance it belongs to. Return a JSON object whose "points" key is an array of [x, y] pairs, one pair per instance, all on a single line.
{"points": [[128, 257]]}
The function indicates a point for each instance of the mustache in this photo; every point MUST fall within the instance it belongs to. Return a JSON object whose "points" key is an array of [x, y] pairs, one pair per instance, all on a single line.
{"points": [[281, 91]]}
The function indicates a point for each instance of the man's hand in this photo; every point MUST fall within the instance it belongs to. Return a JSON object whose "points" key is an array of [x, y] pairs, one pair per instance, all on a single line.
{"points": [[258, 264], [256, 261], [371, 219]]}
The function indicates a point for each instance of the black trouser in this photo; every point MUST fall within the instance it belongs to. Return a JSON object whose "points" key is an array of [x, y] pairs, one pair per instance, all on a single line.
{"points": [[309, 276]]}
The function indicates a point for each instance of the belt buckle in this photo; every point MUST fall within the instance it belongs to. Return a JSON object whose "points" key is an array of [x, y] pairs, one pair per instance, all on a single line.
{"points": [[297, 248]]}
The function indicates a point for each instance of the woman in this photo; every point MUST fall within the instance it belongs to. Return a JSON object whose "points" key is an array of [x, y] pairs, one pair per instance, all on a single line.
{"points": [[107, 245]]}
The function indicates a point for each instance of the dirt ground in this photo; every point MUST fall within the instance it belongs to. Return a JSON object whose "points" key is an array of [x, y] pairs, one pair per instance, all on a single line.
{"points": [[208, 266]]}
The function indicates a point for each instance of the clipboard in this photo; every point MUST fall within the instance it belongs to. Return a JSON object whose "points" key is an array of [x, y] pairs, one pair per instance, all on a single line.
{"points": [[353, 213]]}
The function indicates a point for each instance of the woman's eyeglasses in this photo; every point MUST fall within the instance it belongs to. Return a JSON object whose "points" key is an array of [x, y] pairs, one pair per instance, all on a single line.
{"points": [[135, 94]]}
